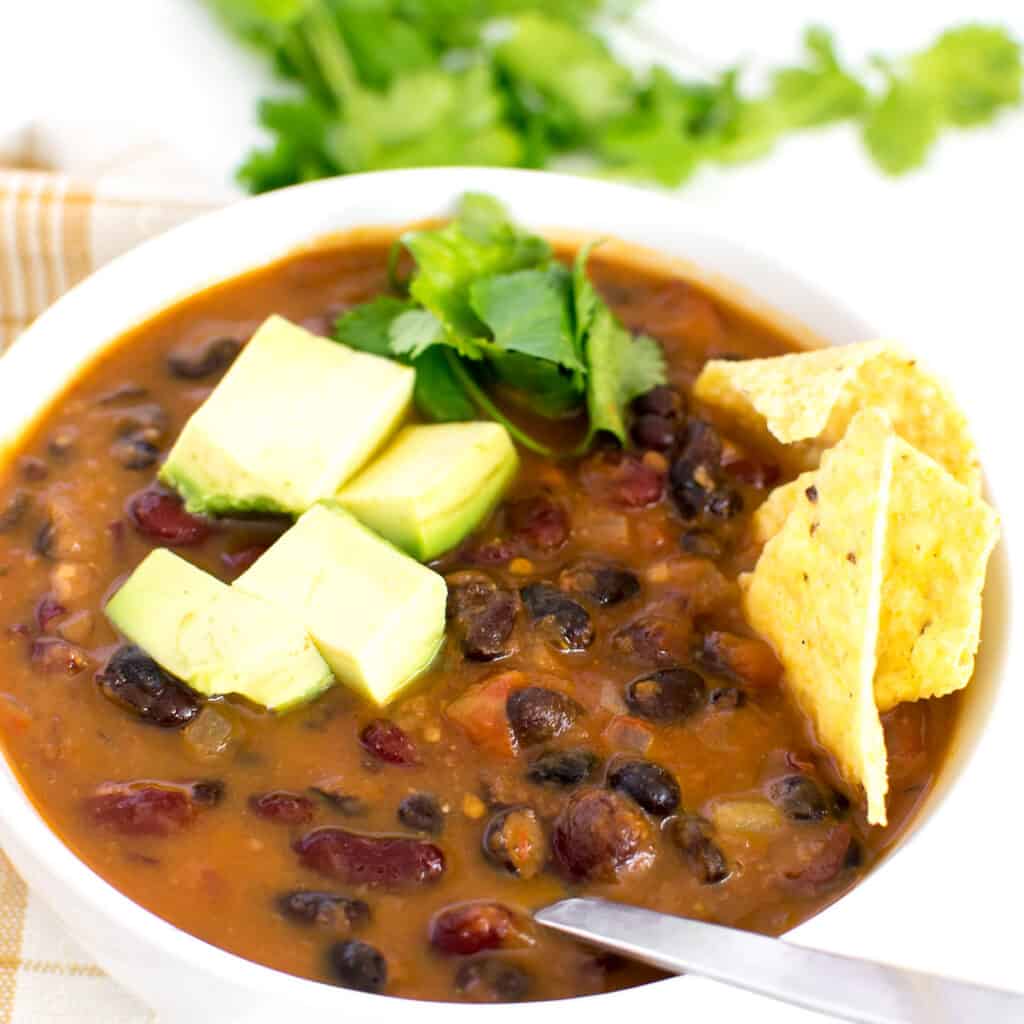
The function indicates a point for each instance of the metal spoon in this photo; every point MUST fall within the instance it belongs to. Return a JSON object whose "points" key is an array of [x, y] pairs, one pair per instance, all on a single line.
{"points": [[855, 990]]}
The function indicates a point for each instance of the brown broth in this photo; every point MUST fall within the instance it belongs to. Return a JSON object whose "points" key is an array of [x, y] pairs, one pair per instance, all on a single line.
{"points": [[219, 878]]}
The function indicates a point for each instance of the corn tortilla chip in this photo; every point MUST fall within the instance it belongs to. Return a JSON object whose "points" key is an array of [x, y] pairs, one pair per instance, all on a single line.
{"points": [[938, 540], [940, 536], [772, 513], [815, 594], [812, 397]]}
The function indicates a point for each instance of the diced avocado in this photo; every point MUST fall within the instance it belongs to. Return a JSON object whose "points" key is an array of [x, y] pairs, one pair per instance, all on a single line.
{"points": [[291, 421], [217, 639], [377, 615], [433, 485]]}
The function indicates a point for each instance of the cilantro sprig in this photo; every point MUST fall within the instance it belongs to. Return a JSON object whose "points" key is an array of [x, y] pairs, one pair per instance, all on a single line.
{"points": [[490, 312], [381, 84]]}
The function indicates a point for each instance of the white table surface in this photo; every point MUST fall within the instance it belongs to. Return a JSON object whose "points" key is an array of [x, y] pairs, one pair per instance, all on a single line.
{"points": [[933, 259]]}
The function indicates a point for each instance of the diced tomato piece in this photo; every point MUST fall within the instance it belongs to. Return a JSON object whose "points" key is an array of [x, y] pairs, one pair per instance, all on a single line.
{"points": [[480, 711], [626, 733]]}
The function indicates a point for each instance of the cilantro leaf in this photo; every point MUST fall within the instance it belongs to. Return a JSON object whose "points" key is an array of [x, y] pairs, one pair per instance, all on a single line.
{"points": [[654, 140], [438, 394], [971, 72], [367, 327], [543, 387], [901, 128], [820, 92], [567, 68], [479, 242], [620, 367], [528, 311], [414, 331]]}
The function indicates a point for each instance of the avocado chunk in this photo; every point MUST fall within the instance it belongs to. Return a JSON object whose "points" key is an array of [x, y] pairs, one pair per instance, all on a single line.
{"points": [[433, 485], [216, 639], [377, 616], [291, 421]]}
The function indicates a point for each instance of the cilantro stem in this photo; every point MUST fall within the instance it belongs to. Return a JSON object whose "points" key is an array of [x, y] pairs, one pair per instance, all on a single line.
{"points": [[484, 404], [324, 39]]}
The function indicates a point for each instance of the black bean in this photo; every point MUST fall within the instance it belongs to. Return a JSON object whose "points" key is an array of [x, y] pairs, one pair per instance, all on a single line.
{"points": [[358, 965], [692, 835], [483, 615], [537, 714], [45, 541], [563, 767], [670, 694], [660, 401], [14, 511], [654, 638], [422, 813], [146, 422], [800, 798], [137, 683], [134, 453], [701, 543], [727, 698], [724, 503], [348, 804], [651, 786], [33, 469], [654, 433], [690, 498], [569, 621], [491, 980], [326, 909], [701, 446], [513, 840], [212, 357], [208, 792], [604, 584]]}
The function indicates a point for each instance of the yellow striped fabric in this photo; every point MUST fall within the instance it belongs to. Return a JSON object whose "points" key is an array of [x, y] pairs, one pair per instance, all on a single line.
{"points": [[54, 231]]}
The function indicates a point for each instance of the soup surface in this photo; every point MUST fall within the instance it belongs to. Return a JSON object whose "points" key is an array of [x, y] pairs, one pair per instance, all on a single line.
{"points": [[600, 720]]}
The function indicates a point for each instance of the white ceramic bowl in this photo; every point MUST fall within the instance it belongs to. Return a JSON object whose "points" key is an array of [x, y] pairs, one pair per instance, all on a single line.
{"points": [[188, 980]]}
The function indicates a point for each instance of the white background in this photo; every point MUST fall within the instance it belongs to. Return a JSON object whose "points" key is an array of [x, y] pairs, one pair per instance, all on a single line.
{"points": [[934, 259]]}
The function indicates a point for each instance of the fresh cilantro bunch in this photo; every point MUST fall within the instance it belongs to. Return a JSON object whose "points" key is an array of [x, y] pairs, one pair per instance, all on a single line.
{"points": [[490, 312], [380, 84]]}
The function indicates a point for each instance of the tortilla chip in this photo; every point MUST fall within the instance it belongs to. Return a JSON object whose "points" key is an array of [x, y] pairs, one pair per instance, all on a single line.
{"points": [[940, 539], [812, 397], [815, 595], [773, 512]]}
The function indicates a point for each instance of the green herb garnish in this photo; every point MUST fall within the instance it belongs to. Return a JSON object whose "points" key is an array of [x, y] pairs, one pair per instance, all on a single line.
{"points": [[490, 310], [527, 83]]}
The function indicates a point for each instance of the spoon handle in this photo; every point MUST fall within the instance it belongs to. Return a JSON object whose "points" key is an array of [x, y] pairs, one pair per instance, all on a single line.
{"points": [[855, 990]]}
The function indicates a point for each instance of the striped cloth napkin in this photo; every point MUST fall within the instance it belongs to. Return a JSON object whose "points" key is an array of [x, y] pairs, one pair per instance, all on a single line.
{"points": [[55, 228]]}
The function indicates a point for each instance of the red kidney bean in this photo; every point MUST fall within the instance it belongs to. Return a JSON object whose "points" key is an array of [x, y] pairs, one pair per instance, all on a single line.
{"points": [[621, 478], [236, 562], [476, 926], [141, 809], [539, 523], [161, 516], [47, 610], [54, 656], [838, 851], [282, 807], [355, 859], [598, 835], [388, 742]]}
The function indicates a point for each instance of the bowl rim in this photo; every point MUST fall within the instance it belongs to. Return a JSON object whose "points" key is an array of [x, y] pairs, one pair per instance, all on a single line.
{"points": [[24, 824]]}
